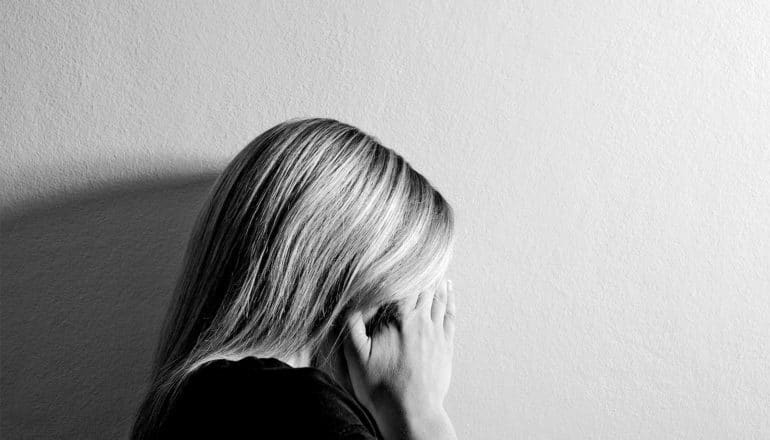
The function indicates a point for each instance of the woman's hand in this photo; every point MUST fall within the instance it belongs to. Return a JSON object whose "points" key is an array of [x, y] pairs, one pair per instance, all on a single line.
{"points": [[402, 372]]}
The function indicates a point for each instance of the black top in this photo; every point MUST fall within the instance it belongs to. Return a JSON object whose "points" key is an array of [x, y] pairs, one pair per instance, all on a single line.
{"points": [[264, 398]]}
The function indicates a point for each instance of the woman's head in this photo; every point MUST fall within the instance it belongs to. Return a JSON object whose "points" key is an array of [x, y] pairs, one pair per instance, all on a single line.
{"points": [[311, 220]]}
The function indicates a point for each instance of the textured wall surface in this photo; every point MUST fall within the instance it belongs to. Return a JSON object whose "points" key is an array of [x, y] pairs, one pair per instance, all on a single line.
{"points": [[609, 163]]}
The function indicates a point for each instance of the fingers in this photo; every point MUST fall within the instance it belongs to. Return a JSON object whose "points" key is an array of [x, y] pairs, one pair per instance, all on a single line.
{"points": [[424, 301], [451, 308], [357, 344], [439, 302]]}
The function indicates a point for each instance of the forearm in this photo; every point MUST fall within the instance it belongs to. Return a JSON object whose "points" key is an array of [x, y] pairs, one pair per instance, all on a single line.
{"points": [[414, 425], [436, 425]]}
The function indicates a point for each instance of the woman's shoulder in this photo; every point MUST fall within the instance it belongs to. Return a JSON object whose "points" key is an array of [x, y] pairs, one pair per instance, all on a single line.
{"points": [[278, 398], [266, 378]]}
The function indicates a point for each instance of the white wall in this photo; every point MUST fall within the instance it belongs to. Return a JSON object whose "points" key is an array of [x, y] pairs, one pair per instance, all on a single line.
{"points": [[609, 162]]}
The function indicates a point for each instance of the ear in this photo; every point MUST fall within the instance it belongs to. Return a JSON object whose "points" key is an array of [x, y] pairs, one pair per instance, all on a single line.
{"points": [[366, 314]]}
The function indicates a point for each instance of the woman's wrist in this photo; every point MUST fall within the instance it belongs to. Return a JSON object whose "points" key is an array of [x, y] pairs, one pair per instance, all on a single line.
{"points": [[431, 424], [416, 424]]}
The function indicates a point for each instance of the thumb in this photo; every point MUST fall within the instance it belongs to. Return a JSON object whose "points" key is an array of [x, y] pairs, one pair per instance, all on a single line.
{"points": [[357, 344]]}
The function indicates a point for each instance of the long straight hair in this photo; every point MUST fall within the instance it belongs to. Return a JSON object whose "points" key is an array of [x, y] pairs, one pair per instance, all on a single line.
{"points": [[312, 220]]}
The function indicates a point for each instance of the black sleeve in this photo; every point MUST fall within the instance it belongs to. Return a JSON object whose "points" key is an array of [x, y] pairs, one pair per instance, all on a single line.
{"points": [[229, 400], [331, 411]]}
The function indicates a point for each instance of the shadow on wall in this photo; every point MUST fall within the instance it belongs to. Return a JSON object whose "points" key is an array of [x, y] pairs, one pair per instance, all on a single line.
{"points": [[85, 284]]}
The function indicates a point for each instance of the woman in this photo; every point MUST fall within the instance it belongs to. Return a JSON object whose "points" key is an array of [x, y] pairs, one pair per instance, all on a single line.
{"points": [[312, 301]]}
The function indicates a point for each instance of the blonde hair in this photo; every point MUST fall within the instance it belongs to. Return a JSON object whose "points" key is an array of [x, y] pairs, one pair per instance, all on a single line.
{"points": [[312, 220]]}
